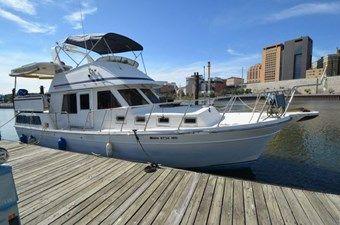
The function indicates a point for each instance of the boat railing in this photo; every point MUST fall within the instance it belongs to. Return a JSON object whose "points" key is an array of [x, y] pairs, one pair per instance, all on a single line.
{"points": [[204, 102]]}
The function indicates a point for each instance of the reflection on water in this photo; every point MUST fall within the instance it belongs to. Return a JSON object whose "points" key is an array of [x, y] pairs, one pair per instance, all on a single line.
{"points": [[305, 154]]}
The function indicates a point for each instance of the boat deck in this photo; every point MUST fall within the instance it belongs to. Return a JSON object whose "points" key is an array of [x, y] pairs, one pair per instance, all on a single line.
{"points": [[57, 187]]}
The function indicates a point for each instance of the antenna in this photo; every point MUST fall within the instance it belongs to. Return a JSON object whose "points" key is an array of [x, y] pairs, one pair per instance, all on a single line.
{"points": [[82, 23]]}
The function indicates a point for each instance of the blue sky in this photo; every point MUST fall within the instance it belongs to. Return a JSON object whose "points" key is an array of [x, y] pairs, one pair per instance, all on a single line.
{"points": [[179, 37]]}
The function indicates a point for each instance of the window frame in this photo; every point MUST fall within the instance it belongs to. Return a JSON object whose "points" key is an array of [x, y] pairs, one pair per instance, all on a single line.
{"points": [[147, 97], [68, 111], [137, 92], [80, 101], [117, 102]]}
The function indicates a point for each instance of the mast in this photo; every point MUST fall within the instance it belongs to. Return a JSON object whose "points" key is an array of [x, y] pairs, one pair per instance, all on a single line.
{"points": [[209, 80]]}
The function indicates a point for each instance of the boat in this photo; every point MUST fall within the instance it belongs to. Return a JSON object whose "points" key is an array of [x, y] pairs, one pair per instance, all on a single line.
{"points": [[107, 106]]}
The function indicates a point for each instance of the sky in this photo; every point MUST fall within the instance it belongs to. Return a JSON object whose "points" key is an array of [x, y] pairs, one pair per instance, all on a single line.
{"points": [[178, 36]]}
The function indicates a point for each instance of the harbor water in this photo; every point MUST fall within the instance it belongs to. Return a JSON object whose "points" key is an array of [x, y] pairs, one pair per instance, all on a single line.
{"points": [[304, 154]]}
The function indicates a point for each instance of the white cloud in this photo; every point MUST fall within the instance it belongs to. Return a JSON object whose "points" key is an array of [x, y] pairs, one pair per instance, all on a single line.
{"points": [[28, 26], [24, 6], [75, 18], [221, 69], [305, 9], [234, 52]]}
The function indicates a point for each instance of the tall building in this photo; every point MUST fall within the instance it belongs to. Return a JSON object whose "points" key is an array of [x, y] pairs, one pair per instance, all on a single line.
{"points": [[296, 58], [271, 63], [190, 84], [253, 74], [332, 61]]}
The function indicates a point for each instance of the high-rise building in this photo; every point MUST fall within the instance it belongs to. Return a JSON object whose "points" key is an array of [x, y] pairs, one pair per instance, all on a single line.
{"points": [[253, 74], [332, 61], [191, 84], [271, 63], [296, 58]]}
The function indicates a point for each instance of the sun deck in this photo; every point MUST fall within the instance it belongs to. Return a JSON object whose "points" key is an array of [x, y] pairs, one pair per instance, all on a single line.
{"points": [[57, 187]]}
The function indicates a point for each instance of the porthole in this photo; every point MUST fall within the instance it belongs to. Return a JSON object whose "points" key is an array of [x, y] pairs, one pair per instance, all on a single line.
{"points": [[120, 118], [190, 120], [140, 119], [163, 119]]}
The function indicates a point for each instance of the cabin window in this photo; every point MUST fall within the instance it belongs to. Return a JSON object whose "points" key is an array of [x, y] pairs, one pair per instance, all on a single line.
{"points": [[120, 118], [69, 103], [140, 119], [190, 120], [163, 119], [151, 96], [106, 100], [84, 101], [132, 97], [34, 120]]}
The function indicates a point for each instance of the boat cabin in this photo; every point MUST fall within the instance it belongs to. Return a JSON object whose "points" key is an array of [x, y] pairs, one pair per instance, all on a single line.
{"points": [[107, 93]]}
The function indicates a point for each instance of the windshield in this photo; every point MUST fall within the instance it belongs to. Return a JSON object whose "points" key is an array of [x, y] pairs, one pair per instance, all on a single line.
{"points": [[133, 97], [151, 96]]}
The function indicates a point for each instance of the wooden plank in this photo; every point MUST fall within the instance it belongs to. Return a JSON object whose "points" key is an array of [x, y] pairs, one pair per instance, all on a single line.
{"points": [[100, 207], [228, 202], [109, 179], [273, 208], [307, 207], [204, 208], [42, 210], [133, 216], [216, 205], [238, 210], [57, 182], [320, 209], [136, 200], [112, 203], [166, 210], [249, 204], [48, 164], [296, 208], [153, 211], [261, 205], [54, 192], [179, 209], [37, 173], [331, 208], [335, 199], [30, 187], [91, 203], [286, 212]]}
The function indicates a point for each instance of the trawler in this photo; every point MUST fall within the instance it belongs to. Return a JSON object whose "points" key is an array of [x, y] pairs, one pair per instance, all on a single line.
{"points": [[106, 106]]}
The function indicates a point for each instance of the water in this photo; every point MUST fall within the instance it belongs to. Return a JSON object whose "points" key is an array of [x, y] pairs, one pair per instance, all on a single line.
{"points": [[8, 131], [304, 155]]}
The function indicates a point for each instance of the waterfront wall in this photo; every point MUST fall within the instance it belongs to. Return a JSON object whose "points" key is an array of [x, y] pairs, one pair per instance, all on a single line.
{"points": [[332, 86]]}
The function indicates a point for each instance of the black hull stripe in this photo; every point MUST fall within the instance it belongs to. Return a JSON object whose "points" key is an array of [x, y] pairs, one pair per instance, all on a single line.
{"points": [[103, 79]]}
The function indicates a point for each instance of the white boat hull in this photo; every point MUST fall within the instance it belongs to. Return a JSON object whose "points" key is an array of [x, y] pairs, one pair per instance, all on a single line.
{"points": [[219, 147]]}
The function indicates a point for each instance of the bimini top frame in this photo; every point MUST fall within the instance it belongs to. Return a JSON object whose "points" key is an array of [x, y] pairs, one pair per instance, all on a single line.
{"points": [[102, 44]]}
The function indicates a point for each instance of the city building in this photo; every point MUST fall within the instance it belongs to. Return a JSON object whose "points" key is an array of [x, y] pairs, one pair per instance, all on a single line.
{"points": [[217, 85], [253, 74], [191, 85], [2, 98], [166, 89], [314, 73], [296, 58], [332, 61], [234, 82], [271, 63]]}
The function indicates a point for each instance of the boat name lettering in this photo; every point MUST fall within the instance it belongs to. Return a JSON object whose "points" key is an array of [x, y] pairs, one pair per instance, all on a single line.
{"points": [[163, 138]]}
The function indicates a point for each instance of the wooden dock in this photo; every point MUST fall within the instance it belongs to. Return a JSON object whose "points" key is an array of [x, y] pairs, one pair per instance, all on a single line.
{"points": [[57, 187]]}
